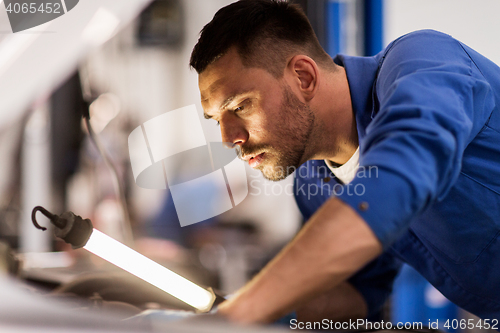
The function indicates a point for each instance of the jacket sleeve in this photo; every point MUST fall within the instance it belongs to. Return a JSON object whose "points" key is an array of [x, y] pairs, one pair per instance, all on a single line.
{"points": [[432, 102], [375, 282]]}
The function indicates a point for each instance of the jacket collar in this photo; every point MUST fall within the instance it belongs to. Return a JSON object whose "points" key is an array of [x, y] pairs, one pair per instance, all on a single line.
{"points": [[361, 75]]}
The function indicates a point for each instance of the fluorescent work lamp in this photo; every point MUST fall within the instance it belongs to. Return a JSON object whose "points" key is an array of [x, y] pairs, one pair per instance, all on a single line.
{"points": [[79, 233]]}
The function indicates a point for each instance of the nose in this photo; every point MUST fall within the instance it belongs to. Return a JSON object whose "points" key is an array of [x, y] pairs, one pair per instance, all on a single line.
{"points": [[233, 131]]}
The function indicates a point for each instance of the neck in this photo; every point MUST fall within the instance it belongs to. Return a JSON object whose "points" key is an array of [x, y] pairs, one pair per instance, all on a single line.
{"points": [[335, 136]]}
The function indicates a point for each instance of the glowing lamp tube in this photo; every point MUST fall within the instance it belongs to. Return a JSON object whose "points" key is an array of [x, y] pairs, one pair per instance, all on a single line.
{"points": [[135, 263]]}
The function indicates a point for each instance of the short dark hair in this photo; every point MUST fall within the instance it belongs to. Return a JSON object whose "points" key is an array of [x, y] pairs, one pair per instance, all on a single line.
{"points": [[265, 33]]}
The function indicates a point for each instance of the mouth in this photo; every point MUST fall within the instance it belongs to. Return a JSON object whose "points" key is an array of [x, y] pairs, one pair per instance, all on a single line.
{"points": [[255, 161]]}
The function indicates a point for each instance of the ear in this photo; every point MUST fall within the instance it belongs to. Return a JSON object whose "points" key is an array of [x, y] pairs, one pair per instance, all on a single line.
{"points": [[304, 74]]}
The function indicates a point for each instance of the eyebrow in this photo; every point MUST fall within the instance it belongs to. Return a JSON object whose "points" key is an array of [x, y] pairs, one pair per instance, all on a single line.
{"points": [[224, 104]]}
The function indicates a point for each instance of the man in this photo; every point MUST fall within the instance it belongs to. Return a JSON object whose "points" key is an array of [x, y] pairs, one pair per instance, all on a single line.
{"points": [[399, 159]]}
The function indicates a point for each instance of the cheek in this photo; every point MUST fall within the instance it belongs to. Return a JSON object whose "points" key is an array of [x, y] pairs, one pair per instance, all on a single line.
{"points": [[266, 125], [256, 132], [265, 120], [256, 123]]}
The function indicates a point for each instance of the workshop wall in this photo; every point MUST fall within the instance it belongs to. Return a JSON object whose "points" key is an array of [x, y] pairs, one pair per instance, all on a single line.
{"points": [[474, 23]]}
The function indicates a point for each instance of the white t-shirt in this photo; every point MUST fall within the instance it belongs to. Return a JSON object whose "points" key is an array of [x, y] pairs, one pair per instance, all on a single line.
{"points": [[347, 171]]}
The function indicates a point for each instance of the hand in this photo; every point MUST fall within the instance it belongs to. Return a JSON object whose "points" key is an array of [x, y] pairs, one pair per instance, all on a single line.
{"points": [[333, 245]]}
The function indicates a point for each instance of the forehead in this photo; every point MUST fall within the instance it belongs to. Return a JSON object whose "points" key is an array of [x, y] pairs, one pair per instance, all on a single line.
{"points": [[218, 70], [228, 77]]}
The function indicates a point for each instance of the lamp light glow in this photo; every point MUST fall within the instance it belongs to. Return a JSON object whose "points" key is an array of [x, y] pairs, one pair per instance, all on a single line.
{"points": [[135, 263]]}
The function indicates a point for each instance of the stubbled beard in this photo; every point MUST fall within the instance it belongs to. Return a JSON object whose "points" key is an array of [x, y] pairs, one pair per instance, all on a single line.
{"points": [[283, 157]]}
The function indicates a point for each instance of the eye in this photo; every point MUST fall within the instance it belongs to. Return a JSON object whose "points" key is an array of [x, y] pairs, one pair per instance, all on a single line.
{"points": [[238, 109]]}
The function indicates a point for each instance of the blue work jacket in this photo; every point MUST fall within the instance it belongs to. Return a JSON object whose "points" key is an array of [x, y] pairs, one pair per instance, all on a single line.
{"points": [[428, 120]]}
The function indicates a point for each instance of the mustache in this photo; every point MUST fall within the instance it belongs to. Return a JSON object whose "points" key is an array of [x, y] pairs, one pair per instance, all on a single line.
{"points": [[250, 150]]}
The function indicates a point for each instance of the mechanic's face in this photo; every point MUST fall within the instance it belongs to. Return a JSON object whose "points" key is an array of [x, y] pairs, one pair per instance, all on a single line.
{"points": [[258, 114]]}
